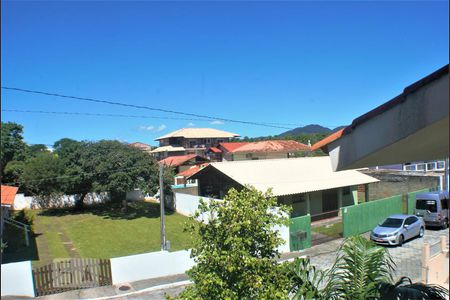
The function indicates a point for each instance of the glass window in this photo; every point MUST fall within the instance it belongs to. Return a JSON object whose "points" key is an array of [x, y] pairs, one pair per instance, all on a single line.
{"points": [[426, 205], [392, 223], [444, 203], [410, 220]]}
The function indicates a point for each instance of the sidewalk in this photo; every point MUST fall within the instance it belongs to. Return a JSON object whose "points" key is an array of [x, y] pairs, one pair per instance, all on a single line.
{"points": [[121, 291]]}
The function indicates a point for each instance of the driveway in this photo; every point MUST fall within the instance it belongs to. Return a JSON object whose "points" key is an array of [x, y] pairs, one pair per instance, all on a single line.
{"points": [[408, 258]]}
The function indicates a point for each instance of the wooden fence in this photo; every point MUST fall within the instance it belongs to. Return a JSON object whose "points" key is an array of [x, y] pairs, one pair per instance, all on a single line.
{"points": [[71, 274]]}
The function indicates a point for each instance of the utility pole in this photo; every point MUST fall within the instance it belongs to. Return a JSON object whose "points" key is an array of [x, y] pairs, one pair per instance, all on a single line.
{"points": [[161, 205]]}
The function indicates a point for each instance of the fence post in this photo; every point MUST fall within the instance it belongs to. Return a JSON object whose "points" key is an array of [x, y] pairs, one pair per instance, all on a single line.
{"points": [[443, 243], [425, 259]]}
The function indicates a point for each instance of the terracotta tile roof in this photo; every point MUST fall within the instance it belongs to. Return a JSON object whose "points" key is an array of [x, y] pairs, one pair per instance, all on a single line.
{"points": [[231, 146], [273, 146], [215, 150], [191, 171], [191, 133], [328, 139], [8, 194], [176, 161]]}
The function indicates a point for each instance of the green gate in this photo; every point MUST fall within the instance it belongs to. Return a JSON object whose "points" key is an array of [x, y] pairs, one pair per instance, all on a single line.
{"points": [[363, 217], [412, 200], [300, 233]]}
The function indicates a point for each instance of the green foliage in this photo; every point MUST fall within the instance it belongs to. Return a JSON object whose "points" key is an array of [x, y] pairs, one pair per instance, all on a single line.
{"points": [[12, 145], [236, 249], [306, 280], [359, 267], [41, 174], [405, 289], [13, 172]]}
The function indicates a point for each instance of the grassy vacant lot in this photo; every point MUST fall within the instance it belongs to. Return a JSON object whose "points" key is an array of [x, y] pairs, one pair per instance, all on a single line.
{"points": [[100, 232]]}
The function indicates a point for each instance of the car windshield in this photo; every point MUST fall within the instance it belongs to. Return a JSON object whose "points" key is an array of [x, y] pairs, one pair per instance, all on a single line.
{"points": [[392, 223], [426, 205]]}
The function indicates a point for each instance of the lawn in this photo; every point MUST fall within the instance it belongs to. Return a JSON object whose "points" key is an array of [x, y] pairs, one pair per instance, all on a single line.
{"points": [[103, 232], [332, 230]]}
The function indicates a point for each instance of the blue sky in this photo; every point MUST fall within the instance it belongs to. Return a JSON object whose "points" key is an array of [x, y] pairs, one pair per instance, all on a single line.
{"points": [[292, 62]]}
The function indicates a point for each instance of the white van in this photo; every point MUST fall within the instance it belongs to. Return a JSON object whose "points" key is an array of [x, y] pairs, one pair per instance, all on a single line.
{"points": [[433, 208]]}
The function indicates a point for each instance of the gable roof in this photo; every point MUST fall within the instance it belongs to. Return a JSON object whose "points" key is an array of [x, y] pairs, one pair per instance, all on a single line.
{"points": [[176, 161], [231, 146], [192, 170], [140, 145], [198, 133], [168, 149], [273, 146], [8, 194], [289, 175], [325, 141]]}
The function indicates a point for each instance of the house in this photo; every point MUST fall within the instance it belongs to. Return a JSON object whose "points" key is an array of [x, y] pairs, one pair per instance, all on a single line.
{"points": [[413, 126], [181, 177], [7, 201], [182, 163], [141, 146], [308, 184], [260, 150], [167, 151], [193, 140]]}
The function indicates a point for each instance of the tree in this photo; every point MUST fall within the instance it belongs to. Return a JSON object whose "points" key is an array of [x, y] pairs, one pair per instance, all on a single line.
{"points": [[42, 175], [106, 166], [12, 145], [362, 270], [236, 249]]}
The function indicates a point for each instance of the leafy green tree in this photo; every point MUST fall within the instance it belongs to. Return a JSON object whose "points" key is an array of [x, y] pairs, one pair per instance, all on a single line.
{"points": [[42, 174], [12, 145], [13, 172], [236, 249], [105, 166], [36, 149]]}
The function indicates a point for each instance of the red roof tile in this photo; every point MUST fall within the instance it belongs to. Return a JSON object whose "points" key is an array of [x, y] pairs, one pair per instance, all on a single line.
{"points": [[272, 146], [328, 139], [215, 150], [191, 171], [8, 194], [231, 146], [176, 161]]}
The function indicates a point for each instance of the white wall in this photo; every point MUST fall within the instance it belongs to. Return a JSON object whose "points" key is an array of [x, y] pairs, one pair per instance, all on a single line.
{"points": [[22, 202], [135, 195], [149, 265], [17, 279], [187, 204]]}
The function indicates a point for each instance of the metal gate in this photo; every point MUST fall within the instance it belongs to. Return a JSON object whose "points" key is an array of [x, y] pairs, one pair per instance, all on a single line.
{"points": [[71, 274]]}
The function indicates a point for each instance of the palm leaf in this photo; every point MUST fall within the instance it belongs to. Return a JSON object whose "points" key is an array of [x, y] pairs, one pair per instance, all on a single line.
{"points": [[405, 289]]}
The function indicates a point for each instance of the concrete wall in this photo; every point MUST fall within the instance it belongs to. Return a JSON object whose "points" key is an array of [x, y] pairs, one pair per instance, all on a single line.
{"points": [[149, 265], [315, 199], [135, 195], [17, 279], [435, 266], [22, 202], [37, 202], [398, 182]]}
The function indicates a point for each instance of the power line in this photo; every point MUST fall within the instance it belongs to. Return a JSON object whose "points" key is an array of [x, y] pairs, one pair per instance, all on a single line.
{"points": [[109, 102], [132, 116]]}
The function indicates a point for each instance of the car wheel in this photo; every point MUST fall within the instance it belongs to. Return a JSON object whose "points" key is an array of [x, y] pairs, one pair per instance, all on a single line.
{"points": [[401, 239], [421, 232], [445, 225]]}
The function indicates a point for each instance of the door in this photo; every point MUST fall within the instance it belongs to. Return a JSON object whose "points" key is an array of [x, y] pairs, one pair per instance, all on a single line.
{"points": [[413, 227]]}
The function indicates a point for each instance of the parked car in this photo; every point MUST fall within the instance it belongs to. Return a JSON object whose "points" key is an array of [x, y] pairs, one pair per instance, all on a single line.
{"points": [[433, 208], [398, 228]]}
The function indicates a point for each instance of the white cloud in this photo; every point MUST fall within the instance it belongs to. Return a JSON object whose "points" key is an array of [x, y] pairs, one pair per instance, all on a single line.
{"points": [[190, 124], [217, 122], [152, 128]]}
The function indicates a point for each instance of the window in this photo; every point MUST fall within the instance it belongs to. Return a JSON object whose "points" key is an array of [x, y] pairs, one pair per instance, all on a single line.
{"points": [[410, 220], [346, 191], [426, 205], [249, 155], [444, 204]]}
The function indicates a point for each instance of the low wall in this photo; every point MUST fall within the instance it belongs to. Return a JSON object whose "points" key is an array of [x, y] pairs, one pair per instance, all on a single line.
{"points": [[435, 263], [17, 279], [149, 265], [135, 195], [36, 202]]}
